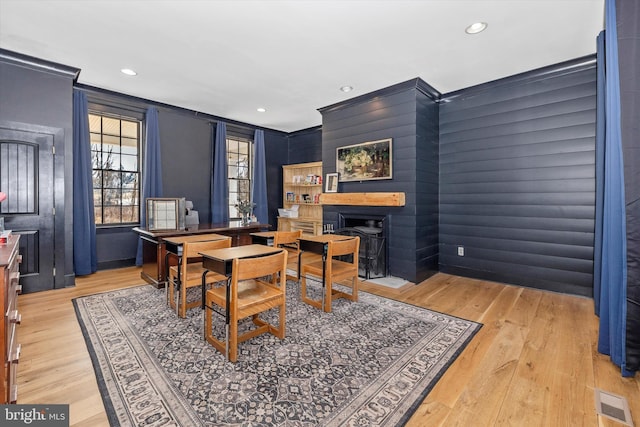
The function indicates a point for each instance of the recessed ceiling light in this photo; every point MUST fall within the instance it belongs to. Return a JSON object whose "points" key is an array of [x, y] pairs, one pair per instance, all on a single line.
{"points": [[128, 72], [346, 88], [476, 28], [261, 110]]}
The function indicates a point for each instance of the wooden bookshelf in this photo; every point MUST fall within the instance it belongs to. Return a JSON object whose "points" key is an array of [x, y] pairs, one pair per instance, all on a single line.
{"points": [[302, 186]]}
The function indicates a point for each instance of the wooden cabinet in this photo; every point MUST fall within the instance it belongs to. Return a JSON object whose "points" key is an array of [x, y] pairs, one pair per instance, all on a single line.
{"points": [[302, 186], [9, 347]]}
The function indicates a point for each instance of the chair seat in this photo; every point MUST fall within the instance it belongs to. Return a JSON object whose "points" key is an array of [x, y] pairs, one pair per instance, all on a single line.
{"points": [[193, 279], [194, 273], [333, 270], [250, 293], [289, 240], [190, 273], [338, 268]]}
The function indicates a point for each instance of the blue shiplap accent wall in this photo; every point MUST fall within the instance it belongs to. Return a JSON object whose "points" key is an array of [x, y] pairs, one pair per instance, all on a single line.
{"points": [[427, 186], [304, 146], [408, 116], [276, 150], [517, 179]]}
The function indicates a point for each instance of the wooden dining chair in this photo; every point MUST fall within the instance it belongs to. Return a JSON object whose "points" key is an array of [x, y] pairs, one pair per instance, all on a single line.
{"points": [[191, 274], [335, 270], [289, 241], [257, 285]]}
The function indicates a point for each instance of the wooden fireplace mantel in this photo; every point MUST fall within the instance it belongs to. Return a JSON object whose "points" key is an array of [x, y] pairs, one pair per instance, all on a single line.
{"points": [[363, 199]]}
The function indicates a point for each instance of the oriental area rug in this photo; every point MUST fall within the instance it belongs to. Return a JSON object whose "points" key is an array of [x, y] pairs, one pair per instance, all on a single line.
{"points": [[370, 362]]}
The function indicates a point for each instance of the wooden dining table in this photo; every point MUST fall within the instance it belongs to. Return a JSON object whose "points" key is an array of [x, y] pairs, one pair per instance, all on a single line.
{"points": [[221, 261]]}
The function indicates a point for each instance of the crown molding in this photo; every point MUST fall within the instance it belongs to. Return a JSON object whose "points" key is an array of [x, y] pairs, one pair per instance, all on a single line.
{"points": [[555, 70], [33, 63], [417, 84]]}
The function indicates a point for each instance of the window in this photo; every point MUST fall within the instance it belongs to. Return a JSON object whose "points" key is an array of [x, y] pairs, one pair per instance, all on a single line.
{"points": [[239, 172], [115, 145]]}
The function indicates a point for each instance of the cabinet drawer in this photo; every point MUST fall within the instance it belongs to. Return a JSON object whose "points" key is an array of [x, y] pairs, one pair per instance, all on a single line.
{"points": [[13, 375], [13, 290], [14, 274], [12, 340], [12, 301]]}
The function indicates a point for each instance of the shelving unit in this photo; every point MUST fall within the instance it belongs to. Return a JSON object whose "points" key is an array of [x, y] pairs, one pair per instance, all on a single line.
{"points": [[302, 186]]}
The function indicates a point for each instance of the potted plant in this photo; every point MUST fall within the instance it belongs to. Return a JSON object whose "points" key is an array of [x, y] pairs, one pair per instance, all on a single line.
{"points": [[245, 207]]}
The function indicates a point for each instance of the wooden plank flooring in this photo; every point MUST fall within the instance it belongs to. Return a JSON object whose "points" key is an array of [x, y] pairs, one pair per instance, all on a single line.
{"points": [[533, 363]]}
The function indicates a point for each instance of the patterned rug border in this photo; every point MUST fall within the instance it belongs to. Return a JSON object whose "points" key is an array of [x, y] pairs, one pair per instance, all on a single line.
{"points": [[111, 410], [97, 369]]}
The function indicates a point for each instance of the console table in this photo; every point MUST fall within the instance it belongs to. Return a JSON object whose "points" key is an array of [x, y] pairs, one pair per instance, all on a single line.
{"points": [[154, 250]]}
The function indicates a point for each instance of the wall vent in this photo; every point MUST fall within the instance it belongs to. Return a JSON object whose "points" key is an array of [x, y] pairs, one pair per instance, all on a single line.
{"points": [[613, 407]]}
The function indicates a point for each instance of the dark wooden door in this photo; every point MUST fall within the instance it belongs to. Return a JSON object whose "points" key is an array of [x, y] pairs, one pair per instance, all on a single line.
{"points": [[26, 177]]}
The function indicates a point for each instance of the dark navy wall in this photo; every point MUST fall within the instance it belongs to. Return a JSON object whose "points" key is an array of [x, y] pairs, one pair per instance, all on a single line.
{"points": [[276, 152], [515, 171], [305, 146], [33, 99], [427, 186], [404, 113], [185, 141], [517, 182]]}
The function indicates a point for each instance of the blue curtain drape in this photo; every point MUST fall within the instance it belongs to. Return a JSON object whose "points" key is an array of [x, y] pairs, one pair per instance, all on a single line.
{"points": [[85, 259], [219, 183], [600, 137], [259, 190], [151, 170], [612, 292]]}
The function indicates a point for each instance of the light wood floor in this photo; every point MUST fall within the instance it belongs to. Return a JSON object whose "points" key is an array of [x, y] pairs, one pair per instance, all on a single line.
{"points": [[534, 362]]}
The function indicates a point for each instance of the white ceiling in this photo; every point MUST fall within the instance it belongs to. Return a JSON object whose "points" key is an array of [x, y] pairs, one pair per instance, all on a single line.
{"points": [[227, 58]]}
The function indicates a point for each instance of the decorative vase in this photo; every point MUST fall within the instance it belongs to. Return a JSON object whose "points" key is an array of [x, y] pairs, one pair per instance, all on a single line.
{"points": [[245, 219]]}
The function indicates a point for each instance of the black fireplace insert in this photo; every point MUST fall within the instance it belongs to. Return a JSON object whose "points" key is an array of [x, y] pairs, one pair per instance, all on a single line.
{"points": [[373, 242]]}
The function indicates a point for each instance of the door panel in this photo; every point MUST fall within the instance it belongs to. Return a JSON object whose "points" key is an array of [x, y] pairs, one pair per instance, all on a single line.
{"points": [[26, 176]]}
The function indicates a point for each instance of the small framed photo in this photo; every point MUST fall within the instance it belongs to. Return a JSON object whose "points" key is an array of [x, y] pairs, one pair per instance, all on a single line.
{"points": [[331, 183]]}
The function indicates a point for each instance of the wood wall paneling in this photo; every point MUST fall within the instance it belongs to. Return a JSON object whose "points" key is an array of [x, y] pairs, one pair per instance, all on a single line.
{"points": [[276, 145], [304, 146], [401, 115], [517, 182], [427, 186]]}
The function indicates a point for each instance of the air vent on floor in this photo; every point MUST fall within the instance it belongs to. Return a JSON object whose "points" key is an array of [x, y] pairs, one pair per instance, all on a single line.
{"points": [[613, 407]]}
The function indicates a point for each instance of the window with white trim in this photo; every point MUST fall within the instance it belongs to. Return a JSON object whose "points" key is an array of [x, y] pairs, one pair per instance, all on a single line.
{"points": [[239, 172], [115, 158]]}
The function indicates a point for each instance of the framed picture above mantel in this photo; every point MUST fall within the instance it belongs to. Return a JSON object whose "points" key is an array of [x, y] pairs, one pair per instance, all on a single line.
{"points": [[365, 161]]}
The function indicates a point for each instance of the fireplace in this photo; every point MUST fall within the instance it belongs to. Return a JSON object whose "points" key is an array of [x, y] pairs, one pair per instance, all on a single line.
{"points": [[373, 242]]}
